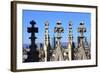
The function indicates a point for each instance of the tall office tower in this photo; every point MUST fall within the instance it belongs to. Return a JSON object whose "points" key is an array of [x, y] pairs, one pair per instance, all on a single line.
{"points": [[70, 43], [33, 54], [58, 30], [41, 53], [81, 49], [53, 42], [47, 42], [86, 43]]}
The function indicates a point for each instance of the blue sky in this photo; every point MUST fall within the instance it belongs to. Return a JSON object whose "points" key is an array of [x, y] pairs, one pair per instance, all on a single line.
{"points": [[52, 17]]}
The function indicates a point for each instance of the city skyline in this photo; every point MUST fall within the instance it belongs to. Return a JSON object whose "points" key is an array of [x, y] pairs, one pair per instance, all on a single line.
{"points": [[52, 17]]}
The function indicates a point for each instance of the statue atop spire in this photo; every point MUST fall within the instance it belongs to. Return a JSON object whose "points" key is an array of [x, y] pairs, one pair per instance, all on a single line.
{"points": [[81, 49], [58, 30]]}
